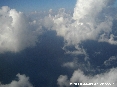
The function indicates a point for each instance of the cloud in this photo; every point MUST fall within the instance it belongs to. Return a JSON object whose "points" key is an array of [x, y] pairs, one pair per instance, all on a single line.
{"points": [[17, 31], [63, 81], [90, 21], [22, 81], [79, 77], [110, 61], [78, 63], [70, 64], [111, 40]]}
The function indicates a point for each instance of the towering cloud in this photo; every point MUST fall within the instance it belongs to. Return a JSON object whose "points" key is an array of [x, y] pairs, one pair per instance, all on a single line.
{"points": [[17, 31], [91, 20]]}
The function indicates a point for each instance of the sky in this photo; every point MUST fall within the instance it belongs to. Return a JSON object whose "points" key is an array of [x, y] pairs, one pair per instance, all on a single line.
{"points": [[116, 3], [58, 43], [38, 5]]}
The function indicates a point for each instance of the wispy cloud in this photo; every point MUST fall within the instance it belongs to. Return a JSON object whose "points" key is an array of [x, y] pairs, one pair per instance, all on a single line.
{"points": [[110, 61]]}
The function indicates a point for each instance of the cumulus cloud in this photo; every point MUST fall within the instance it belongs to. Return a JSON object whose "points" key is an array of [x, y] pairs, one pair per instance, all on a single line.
{"points": [[17, 31], [79, 77], [22, 81], [63, 81], [90, 21]]}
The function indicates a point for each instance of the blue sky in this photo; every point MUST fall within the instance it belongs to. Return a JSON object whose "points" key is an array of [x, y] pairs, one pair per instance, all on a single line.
{"points": [[32, 5]]}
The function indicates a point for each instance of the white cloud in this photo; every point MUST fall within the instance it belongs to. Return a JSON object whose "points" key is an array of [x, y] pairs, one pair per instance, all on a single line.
{"points": [[17, 31], [79, 77], [70, 64], [77, 63], [63, 81], [23, 81], [90, 21], [111, 39]]}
